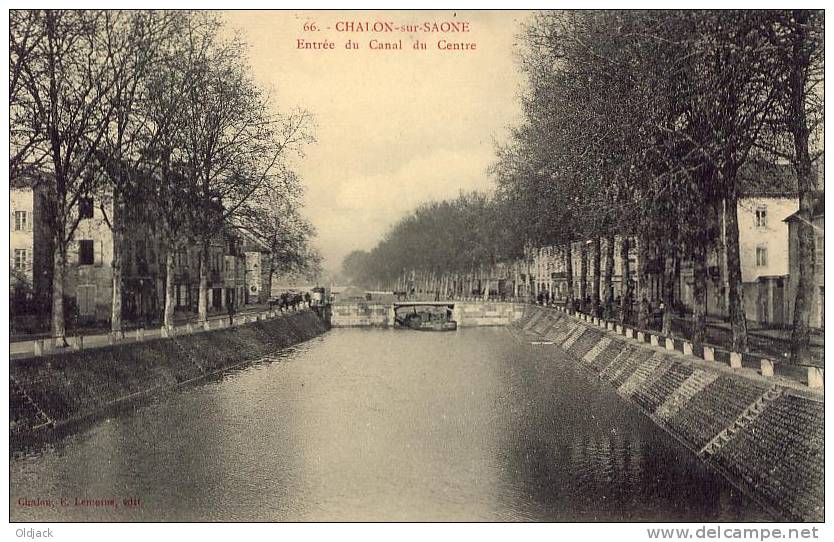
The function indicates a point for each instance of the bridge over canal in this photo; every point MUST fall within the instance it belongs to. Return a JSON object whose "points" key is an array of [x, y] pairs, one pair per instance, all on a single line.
{"points": [[465, 313]]}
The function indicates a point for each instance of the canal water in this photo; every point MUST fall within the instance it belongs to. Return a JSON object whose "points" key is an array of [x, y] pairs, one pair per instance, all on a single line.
{"points": [[372, 424]]}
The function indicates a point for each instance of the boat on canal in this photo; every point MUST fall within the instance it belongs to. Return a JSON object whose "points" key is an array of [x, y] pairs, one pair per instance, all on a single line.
{"points": [[427, 321]]}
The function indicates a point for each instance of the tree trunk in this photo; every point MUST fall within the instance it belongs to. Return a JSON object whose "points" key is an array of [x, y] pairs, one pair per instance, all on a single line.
{"points": [[118, 242], [669, 288], [168, 315], [202, 296], [59, 260], [738, 319], [609, 276], [625, 299], [596, 267], [678, 294], [801, 335], [643, 282], [583, 275], [699, 295], [569, 276]]}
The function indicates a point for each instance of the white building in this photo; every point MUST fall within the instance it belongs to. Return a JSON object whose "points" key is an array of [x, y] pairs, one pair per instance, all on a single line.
{"points": [[22, 237]]}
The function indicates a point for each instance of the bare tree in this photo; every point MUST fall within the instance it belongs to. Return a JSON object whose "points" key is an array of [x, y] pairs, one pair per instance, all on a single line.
{"points": [[66, 83], [794, 134], [233, 143], [26, 137], [163, 181], [272, 216], [134, 42]]}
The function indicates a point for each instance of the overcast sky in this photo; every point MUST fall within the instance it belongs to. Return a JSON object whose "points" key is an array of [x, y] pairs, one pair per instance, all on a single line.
{"points": [[393, 128]]}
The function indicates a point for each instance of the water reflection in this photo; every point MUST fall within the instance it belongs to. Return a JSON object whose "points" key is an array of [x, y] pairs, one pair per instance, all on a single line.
{"points": [[383, 425]]}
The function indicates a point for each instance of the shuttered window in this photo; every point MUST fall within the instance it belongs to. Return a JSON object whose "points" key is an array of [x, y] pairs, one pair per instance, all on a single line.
{"points": [[86, 252], [21, 221], [21, 258]]}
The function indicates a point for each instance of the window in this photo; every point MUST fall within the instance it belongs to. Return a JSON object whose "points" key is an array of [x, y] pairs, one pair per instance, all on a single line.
{"points": [[86, 253], [85, 208], [761, 216], [21, 257], [761, 256], [21, 220]]}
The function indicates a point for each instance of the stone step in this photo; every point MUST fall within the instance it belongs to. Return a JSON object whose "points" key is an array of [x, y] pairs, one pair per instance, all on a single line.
{"points": [[753, 411]]}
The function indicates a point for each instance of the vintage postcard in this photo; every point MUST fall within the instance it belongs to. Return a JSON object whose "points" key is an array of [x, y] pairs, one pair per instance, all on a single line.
{"points": [[417, 266]]}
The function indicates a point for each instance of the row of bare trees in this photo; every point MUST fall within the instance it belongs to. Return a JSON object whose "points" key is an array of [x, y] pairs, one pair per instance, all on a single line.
{"points": [[638, 123], [440, 246], [637, 126], [158, 112]]}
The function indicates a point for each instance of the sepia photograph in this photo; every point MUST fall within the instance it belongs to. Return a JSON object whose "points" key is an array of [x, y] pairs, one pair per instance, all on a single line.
{"points": [[387, 266]]}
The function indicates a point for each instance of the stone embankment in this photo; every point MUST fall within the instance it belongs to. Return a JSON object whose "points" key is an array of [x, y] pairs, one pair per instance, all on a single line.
{"points": [[764, 434], [50, 393]]}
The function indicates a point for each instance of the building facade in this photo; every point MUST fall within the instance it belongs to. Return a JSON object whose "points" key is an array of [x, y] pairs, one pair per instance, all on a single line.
{"points": [[88, 275], [767, 196], [257, 275], [30, 252], [89, 271]]}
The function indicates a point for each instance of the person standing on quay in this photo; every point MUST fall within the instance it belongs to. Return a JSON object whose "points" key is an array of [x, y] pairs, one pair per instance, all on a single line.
{"points": [[231, 311]]}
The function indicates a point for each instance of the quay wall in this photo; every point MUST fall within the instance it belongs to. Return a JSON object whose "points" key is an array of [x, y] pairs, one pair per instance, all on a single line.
{"points": [[487, 313], [50, 393], [763, 434], [465, 313], [361, 314]]}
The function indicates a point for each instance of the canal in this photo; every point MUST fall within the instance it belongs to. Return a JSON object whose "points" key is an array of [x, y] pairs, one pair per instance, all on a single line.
{"points": [[374, 424]]}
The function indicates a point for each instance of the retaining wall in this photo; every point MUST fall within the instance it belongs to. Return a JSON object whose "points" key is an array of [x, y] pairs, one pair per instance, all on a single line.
{"points": [[486, 313], [50, 392], [765, 435], [360, 313]]}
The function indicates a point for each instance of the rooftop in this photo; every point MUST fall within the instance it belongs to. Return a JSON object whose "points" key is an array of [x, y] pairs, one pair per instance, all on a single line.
{"points": [[758, 178], [819, 209]]}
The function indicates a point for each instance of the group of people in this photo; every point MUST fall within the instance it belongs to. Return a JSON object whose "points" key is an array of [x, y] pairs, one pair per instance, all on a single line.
{"points": [[290, 300], [655, 311]]}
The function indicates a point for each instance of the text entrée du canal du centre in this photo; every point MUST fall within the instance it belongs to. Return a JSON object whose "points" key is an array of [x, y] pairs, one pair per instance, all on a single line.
{"points": [[377, 35]]}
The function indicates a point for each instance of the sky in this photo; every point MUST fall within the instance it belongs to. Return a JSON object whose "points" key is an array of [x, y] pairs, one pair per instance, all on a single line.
{"points": [[393, 128]]}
